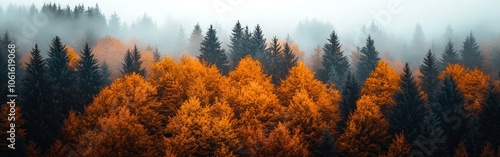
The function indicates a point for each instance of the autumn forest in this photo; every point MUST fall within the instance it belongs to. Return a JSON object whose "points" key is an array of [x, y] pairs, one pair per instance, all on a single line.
{"points": [[93, 94]]}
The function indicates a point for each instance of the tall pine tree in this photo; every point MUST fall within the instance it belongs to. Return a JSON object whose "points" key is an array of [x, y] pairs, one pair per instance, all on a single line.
{"points": [[132, 63], [471, 55], [334, 62], [432, 139], [429, 79], [272, 60], [350, 94], [326, 147], [195, 40], [449, 56], [368, 60], [90, 78], [409, 110], [258, 44], [237, 50], [287, 61], [212, 53]]}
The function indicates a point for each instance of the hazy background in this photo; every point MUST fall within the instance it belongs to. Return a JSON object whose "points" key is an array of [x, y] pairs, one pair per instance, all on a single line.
{"points": [[308, 23]]}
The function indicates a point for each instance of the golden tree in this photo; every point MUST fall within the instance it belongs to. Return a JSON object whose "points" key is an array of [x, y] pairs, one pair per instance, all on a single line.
{"points": [[282, 143], [366, 130], [382, 83], [399, 147]]}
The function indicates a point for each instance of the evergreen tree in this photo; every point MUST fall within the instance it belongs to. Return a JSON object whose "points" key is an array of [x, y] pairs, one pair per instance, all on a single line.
{"points": [[287, 61], [258, 44], [409, 110], [429, 79], [63, 82], [449, 56], [449, 105], [246, 42], [432, 140], [350, 94], [90, 78], [132, 63], [473, 137], [195, 40], [105, 74], [212, 53], [326, 147], [272, 60], [36, 97], [471, 55], [334, 62], [368, 60], [156, 55], [489, 117], [237, 50]]}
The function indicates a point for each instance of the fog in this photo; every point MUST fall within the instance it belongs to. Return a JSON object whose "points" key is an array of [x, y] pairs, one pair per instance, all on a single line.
{"points": [[308, 23]]}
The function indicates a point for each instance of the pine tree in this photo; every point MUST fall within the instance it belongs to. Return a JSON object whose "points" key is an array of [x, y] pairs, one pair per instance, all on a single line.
{"points": [[272, 58], [105, 74], [212, 53], [409, 110], [429, 78], [326, 147], [471, 55], [334, 62], [489, 117], [237, 50], [473, 137], [350, 94], [195, 40], [366, 131], [90, 78], [258, 44], [287, 61], [449, 56], [432, 139], [156, 55], [132, 63], [368, 60], [64, 84]]}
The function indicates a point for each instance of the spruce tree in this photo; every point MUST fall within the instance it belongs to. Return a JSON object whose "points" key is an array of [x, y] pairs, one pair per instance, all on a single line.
{"points": [[236, 46], [432, 139], [287, 61], [489, 117], [272, 58], [132, 63], [90, 78], [409, 110], [212, 53], [246, 42], [36, 98], [471, 55], [449, 105], [326, 147], [350, 94], [105, 74], [449, 56], [64, 84], [258, 44], [429, 78], [334, 62], [368, 60], [473, 137], [195, 40]]}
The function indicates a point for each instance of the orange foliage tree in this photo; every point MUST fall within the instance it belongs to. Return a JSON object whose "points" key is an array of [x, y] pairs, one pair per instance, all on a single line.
{"points": [[473, 84], [73, 57], [382, 83], [110, 50]]}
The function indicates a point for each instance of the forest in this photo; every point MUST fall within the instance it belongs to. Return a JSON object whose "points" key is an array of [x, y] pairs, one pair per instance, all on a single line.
{"points": [[87, 92]]}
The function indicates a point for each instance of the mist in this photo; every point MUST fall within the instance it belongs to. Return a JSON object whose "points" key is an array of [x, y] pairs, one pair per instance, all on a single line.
{"points": [[168, 25]]}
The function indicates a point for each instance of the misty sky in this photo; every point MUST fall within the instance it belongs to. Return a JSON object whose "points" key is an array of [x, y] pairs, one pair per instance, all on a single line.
{"points": [[282, 16]]}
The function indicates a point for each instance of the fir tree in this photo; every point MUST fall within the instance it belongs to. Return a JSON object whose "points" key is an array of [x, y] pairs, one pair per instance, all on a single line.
{"points": [[368, 60], [104, 69], [90, 78], [246, 42], [432, 139], [258, 44], [212, 53], [449, 105], [449, 56], [350, 94], [287, 61], [409, 110], [195, 40], [489, 117], [473, 137], [236, 46], [132, 63], [334, 62], [429, 78], [272, 60], [471, 55], [326, 147]]}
